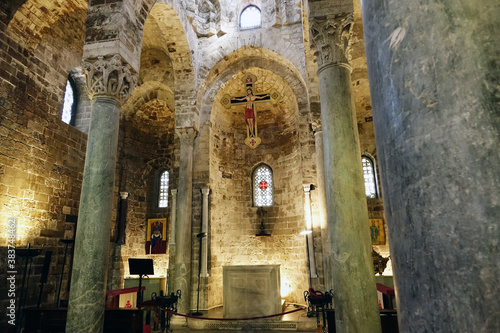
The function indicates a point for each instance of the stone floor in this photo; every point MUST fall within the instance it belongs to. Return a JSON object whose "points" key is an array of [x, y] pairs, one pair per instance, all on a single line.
{"points": [[297, 321]]}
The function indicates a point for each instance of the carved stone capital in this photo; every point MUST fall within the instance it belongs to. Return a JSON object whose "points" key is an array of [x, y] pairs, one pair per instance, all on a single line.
{"points": [[109, 78], [187, 135], [331, 39], [316, 125]]}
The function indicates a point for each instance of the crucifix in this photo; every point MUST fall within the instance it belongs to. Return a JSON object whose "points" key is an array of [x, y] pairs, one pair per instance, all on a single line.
{"points": [[249, 100]]}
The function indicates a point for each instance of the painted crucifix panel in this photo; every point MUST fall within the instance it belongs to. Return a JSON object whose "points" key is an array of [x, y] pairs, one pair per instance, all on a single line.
{"points": [[249, 100]]}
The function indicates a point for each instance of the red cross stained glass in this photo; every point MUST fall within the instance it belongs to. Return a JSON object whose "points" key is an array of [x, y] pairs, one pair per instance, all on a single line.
{"points": [[263, 186]]}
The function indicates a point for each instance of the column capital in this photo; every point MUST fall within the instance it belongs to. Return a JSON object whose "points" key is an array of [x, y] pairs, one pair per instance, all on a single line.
{"points": [[307, 188], [331, 39], [316, 125], [109, 78], [187, 135], [124, 195], [205, 191], [173, 192]]}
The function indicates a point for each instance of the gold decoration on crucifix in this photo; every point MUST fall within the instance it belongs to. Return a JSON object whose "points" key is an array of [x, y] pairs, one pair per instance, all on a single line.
{"points": [[249, 100]]}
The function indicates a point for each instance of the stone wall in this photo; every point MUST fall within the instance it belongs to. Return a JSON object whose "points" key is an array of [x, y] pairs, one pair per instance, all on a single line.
{"points": [[147, 146], [182, 78], [41, 158], [234, 220]]}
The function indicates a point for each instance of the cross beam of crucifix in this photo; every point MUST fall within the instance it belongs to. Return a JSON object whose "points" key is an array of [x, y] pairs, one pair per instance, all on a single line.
{"points": [[249, 100]]}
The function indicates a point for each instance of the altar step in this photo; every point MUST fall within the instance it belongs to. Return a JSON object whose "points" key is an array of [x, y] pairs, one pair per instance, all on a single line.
{"points": [[255, 326], [296, 321]]}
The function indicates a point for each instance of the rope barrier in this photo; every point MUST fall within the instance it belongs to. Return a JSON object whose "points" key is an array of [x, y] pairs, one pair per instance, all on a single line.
{"points": [[233, 319]]}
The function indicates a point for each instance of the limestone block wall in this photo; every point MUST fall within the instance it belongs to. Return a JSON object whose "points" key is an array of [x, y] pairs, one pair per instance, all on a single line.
{"points": [[143, 153], [234, 222], [41, 158]]}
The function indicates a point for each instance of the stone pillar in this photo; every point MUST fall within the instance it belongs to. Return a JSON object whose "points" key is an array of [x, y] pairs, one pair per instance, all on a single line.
{"points": [[310, 242], [203, 301], [204, 228], [173, 217], [183, 230], [109, 83], [434, 78], [353, 276], [321, 192], [122, 218], [172, 245]]}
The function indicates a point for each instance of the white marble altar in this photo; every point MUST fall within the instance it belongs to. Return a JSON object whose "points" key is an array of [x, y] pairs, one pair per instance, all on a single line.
{"points": [[251, 291]]}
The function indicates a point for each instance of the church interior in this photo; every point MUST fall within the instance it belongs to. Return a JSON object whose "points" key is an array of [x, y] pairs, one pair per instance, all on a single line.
{"points": [[250, 153]]}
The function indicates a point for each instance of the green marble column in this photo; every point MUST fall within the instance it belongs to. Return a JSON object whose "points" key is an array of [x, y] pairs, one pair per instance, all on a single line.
{"points": [[183, 230], [356, 306], [325, 233], [434, 70], [91, 254]]}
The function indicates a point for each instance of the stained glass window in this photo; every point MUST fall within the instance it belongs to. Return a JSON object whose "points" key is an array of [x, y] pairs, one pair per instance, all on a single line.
{"points": [[69, 99], [250, 18], [369, 175], [163, 190], [263, 186]]}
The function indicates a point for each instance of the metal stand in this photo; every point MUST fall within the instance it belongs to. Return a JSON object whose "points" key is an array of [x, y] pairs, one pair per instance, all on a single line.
{"points": [[27, 254], [165, 304], [66, 242], [43, 278], [318, 301], [198, 313], [140, 267]]}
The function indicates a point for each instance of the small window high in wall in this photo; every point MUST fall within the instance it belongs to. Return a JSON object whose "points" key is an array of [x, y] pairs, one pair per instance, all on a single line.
{"points": [[263, 187], [250, 18], [69, 104], [371, 189], [163, 190]]}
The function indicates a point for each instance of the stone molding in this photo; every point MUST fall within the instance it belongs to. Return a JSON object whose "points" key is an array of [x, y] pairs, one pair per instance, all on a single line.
{"points": [[331, 39], [187, 135], [109, 78]]}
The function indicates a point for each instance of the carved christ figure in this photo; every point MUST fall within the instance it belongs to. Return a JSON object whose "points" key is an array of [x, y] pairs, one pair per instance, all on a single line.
{"points": [[250, 98]]}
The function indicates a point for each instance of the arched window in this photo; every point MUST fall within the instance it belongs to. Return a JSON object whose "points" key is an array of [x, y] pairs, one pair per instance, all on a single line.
{"points": [[163, 190], [371, 189], [250, 18], [263, 188], [69, 104]]}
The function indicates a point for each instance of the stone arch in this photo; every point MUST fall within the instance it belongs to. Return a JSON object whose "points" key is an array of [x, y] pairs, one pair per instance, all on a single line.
{"points": [[161, 32], [151, 108], [252, 42], [153, 166], [33, 19], [250, 57]]}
